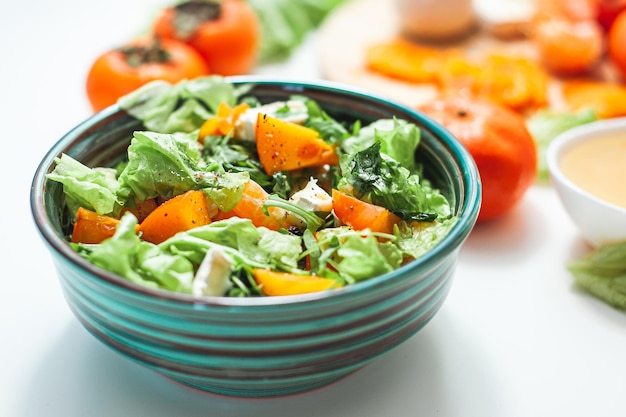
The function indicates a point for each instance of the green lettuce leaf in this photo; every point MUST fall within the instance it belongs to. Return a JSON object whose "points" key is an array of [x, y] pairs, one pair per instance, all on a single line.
{"points": [[258, 247], [398, 139], [417, 239], [285, 24], [363, 258], [180, 107], [160, 164], [170, 164], [602, 273], [172, 264], [377, 178], [355, 255], [138, 261], [546, 125], [328, 128], [93, 189]]}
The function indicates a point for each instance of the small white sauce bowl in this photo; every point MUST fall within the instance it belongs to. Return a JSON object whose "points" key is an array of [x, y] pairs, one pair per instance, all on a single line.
{"points": [[598, 221]]}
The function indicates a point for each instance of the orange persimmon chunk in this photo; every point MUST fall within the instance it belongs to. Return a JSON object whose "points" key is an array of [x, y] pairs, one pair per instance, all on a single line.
{"points": [[177, 214], [223, 122], [91, 227], [251, 207], [286, 146], [276, 283], [142, 209], [361, 215]]}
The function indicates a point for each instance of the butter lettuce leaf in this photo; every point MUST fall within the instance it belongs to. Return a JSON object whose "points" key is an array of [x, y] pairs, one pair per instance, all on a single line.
{"points": [[354, 255], [364, 257], [398, 139], [416, 239], [602, 273], [257, 246], [167, 165], [160, 165], [171, 264], [285, 24], [93, 189], [180, 107], [138, 261]]}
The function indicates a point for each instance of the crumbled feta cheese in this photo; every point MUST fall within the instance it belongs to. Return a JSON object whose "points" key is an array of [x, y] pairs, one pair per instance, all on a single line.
{"points": [[311, 198], [213, 275]]}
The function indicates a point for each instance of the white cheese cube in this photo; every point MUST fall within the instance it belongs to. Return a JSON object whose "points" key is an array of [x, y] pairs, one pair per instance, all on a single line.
{"points": [[213, 275]]}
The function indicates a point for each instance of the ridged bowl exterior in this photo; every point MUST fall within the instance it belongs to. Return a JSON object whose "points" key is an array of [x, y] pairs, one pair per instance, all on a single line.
{"points": [[264, 346]]}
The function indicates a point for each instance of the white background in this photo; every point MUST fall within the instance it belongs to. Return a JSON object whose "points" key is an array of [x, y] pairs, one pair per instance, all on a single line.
{"points": [[514, 338]]}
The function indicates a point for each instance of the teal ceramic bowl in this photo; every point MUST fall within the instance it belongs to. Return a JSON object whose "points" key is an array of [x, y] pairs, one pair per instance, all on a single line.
{"points": [[266, 346]]}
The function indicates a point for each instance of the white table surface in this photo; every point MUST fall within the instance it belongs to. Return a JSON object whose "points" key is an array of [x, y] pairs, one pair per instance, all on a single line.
{"points": [[514, 338]]}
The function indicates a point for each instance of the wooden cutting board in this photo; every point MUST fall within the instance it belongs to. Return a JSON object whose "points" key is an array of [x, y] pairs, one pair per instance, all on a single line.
{"points": [[348, 32]]}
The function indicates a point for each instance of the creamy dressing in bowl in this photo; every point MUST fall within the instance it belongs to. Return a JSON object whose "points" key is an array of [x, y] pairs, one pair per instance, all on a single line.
{"points": [[587, 167], [598, 166]]}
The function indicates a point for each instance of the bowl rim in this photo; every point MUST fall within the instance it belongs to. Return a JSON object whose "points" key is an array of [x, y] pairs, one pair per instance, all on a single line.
{"points": [[455, 237], [571, 137]]}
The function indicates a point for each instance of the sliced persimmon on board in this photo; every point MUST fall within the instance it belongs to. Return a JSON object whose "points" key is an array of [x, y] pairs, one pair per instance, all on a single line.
{"points": [[183, 212], [287, 146], [607, 99], [515, 82], [405, 60]]}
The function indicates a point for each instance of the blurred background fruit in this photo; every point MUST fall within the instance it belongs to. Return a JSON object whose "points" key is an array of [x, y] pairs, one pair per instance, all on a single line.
{"points": [[497, 138], [119, 71], [617, 42], [607, 11], [568, 47], [226, 33]]}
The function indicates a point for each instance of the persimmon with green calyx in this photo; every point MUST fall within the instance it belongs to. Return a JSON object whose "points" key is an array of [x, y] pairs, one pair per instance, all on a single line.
{"points": [[287, 146], [178, 214], [120, 71], [500, 143], [226, 33], [275, 283]]}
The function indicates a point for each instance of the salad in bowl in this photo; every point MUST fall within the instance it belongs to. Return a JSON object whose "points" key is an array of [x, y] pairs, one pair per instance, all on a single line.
{"points": [[223, 194], [255, 237]]}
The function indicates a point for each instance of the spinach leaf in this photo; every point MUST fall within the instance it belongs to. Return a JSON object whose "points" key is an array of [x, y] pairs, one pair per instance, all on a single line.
{"points": [[379, 179]]}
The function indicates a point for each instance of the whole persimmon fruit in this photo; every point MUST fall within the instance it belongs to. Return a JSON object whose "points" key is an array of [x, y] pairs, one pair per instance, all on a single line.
{"points": [[501, 145], [119, 71], [226, 33], [617, 42], [569, 47]]}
